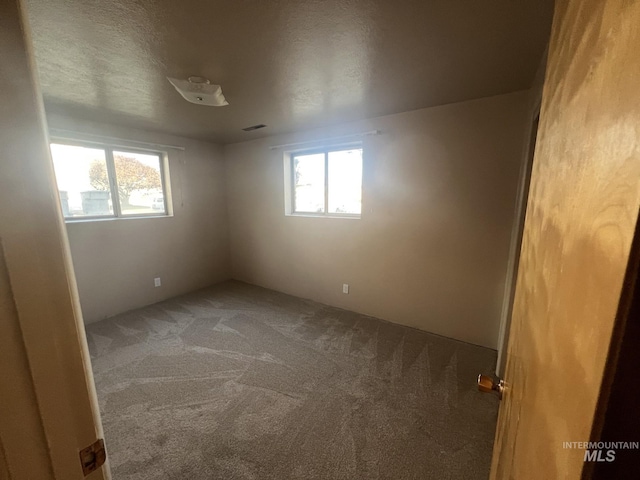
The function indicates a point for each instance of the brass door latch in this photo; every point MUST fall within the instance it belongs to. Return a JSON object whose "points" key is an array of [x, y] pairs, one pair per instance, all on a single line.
{"points": [[93, 457]]}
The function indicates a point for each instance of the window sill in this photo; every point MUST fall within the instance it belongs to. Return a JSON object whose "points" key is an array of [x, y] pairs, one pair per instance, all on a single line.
{"points": [[311, 215], [111, 219]]}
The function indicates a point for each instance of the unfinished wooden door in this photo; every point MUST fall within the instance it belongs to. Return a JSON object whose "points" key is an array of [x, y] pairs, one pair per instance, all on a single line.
{"points": [[583, 206], [48, 409]]}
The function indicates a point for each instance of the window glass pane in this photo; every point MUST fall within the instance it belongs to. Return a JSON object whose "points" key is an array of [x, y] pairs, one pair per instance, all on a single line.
{"points": [[83, 180], [345, 181], [308, 171], [139, 183]]}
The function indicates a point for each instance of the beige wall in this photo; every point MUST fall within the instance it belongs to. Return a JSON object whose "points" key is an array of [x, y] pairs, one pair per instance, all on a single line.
{"points": [[430, 250], [115, 261]]}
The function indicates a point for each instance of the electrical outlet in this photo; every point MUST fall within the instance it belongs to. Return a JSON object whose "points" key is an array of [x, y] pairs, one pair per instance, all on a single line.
{"points": [[345, 288], [157, 282]]}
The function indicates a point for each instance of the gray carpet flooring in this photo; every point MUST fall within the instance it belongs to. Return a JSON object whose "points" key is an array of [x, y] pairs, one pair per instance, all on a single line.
{"points": [[240, 382]]}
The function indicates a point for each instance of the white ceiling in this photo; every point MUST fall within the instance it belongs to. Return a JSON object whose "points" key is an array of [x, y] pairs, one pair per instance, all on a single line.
{"points": [[291, 64]]}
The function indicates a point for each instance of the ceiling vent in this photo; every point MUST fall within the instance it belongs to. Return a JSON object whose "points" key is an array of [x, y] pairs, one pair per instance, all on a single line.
{"points": [[200, 91], [254, 127]]}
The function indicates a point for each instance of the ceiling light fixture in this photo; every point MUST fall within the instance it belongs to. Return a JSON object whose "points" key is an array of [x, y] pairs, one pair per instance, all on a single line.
{"points": [[199, 90]]}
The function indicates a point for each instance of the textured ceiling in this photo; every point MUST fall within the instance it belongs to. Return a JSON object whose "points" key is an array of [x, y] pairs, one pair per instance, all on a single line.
{"points": [[291, 64]]}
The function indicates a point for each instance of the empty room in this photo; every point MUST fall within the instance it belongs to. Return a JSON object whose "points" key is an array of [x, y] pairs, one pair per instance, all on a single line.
{"points": [[318, 239]]}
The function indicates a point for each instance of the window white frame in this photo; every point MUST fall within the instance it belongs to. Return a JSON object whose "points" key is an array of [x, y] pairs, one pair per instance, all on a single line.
{"points": [[290, 180], [113, 181]]}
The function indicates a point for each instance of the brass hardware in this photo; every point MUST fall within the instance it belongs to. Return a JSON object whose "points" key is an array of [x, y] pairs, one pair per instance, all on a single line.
{"points": [[487, 384], [93, 457]]}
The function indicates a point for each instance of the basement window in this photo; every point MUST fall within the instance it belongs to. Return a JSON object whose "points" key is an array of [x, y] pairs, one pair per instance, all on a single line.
{"points": [[325, 182], [97, 182]]}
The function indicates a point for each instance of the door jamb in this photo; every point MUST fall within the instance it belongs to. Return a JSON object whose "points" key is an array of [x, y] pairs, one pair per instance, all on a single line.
{"points": [[517, 230]]}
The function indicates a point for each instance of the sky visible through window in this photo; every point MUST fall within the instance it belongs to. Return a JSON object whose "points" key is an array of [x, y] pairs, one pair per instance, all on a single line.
{"points": [[72, 164], [344, 182]]}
